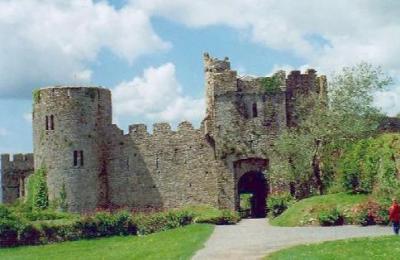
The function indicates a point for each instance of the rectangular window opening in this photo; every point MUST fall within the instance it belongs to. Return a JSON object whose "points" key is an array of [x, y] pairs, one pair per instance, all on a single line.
{"points": [[75, 158], [255, 112], [81, 154], [51, 122]]}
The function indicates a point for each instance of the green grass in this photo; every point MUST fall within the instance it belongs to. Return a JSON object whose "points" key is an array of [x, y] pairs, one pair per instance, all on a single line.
{"points": [[387, 247], [203, 212], [180, 243], [305, 212]]}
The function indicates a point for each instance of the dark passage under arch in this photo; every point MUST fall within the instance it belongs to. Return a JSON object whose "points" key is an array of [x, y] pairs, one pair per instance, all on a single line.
{"points": [[254, 183]]}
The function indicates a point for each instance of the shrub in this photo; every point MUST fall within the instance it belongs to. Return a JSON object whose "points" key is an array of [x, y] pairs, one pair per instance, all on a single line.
{"points": [[369, 165], [371, 213], [29, 235], [63, 199], [271, 85], [53, 231], [37, 190], [6, 213], [124, 224], [9, 232], [35, 215], [225, 217], [332, 217], [87, 226], [150, 223], [106, 224], [278, 203], [245, 204], [16, 231]]}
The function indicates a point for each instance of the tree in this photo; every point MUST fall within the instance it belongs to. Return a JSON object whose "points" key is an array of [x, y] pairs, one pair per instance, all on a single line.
{"points": [[327, 126]]}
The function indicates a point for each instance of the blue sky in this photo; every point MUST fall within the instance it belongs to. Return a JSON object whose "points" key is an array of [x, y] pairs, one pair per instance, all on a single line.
{"points": [[149, 52]]}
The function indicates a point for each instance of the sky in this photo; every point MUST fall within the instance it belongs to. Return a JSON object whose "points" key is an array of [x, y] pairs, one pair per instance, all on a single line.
{"points": [[149, 52]]}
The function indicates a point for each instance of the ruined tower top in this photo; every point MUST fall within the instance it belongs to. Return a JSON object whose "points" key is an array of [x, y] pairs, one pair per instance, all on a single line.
{"points": [[215, 65]]}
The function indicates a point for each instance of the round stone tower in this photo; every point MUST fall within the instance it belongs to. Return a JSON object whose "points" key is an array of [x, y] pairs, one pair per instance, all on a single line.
{"points": [[69, 129]]}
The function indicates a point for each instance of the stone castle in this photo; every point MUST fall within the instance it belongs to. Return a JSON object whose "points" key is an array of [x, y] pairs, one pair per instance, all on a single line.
{"points": [[97, 165]]}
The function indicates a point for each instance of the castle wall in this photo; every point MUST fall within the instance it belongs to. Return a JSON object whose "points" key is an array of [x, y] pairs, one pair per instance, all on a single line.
{"points": [[166, 169], [13, 175], [298, 84], [69, 125], [99, 166]]}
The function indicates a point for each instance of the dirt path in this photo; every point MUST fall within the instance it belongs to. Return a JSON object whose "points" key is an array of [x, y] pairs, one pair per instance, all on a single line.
{"points": [[255, 238]]}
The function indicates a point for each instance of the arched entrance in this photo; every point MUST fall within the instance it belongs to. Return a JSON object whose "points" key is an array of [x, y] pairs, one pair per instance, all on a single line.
{"points": [[253, 183]]}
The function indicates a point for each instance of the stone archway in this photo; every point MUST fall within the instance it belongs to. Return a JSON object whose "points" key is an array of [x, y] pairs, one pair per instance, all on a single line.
{"points": [[250, 179], [254, 183]]}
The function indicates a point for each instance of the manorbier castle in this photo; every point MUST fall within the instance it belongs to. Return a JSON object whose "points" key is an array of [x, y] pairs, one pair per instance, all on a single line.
{"points": [[96, 165]]}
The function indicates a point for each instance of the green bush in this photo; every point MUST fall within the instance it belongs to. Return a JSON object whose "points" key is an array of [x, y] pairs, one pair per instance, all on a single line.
{"points": [[271, 85], [107, 224], [6, 213], [369, 166], [9, 232], [278, 203], [331, 217], [37, 190], [225, 217], [372, 212], [30, 234], [245, 205], [150, 223], [22, 226], [59, 231], [35, 215], [87, 225]]}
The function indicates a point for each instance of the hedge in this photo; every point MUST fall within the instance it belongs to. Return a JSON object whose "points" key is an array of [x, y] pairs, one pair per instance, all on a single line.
{"points": [[15, 231]]}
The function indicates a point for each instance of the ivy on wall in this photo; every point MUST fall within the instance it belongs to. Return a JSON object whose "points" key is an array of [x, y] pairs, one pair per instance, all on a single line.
{"points": [[271, 85], [372, 165], [63, 198], [37, 190], [36, 96]]}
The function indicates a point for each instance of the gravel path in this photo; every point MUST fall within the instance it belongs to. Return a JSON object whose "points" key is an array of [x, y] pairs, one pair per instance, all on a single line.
{"points": [[255, 238]]}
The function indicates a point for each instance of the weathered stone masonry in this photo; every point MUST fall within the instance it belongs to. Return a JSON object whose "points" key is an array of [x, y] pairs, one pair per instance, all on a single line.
{"points": [[13, 175], [99, 166]]}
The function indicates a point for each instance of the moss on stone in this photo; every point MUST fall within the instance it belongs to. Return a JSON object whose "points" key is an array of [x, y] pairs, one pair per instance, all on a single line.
{"points": [[271, 85], [36, 96]]}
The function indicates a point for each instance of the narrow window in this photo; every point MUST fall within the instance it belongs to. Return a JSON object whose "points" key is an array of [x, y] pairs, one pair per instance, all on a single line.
{"points": [[81, 155], [75, 158], [157, 162], [51, 122], [254, 109], [47, 122]]}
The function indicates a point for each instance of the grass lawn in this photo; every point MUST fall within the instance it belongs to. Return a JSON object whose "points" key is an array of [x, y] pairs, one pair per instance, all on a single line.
{"points": [[180, 243], [306, 211], [387, 247]]}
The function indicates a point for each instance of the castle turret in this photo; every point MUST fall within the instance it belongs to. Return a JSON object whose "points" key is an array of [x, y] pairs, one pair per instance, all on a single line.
{"points": [[298, 84], [69, 129], [219, 80]]}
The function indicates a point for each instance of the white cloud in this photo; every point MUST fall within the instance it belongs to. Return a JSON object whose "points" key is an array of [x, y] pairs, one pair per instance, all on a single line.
{"points": [[3, 132], [156, 96], [389, 101], [327, 34], [52, 41]]}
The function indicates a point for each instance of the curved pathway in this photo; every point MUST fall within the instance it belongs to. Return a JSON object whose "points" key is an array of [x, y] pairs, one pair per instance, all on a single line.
{"points": [[255, 238]]}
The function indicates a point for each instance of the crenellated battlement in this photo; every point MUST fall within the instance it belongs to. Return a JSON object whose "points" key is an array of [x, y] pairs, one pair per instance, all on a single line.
{"points": [[71, 93], [97, 164], [215, 65], [14, 170], [140, 131], [17, 161]]}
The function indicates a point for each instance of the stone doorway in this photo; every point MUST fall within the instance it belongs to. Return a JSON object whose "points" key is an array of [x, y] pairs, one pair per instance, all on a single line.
{"points": [[254, 184]]}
